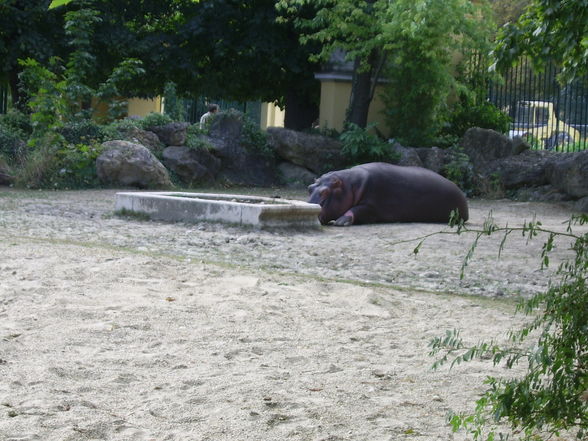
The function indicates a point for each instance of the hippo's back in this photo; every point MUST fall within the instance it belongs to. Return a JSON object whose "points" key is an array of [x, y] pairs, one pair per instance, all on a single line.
{"points": [[409, 194]]}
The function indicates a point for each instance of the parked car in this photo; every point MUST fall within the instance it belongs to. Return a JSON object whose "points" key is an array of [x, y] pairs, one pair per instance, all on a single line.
{"points": [[538, 119]]}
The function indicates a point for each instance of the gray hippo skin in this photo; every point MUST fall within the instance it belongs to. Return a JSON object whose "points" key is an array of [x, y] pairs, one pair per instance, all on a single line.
{"points": [[381, 192]]}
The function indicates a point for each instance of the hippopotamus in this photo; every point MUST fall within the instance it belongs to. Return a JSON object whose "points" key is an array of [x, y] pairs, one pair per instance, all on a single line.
{"points": [[382, 192]]}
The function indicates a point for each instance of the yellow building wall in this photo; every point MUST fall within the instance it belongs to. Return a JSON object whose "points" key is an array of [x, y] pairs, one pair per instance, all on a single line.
{"points": [[143, 107], [271, 116], [335, 100]]}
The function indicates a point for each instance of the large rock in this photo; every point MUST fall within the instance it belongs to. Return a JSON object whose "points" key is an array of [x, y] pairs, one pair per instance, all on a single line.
{"points": [[316, 153], [172, 134], [524, 170], [144, 137], [484, 146], [432, 158], [192, 165], [569, 173], [294, 176], [128, 164], [243, 160], [409, 156]]}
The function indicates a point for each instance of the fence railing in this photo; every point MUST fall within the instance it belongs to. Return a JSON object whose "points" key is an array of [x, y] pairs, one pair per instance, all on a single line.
{"points": [[3, 98], [195, 108], [550, 116]]}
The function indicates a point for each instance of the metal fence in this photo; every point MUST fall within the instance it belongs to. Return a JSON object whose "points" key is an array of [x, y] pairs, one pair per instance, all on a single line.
{"points": [[3, 98], [550, 116], [195, 108]]}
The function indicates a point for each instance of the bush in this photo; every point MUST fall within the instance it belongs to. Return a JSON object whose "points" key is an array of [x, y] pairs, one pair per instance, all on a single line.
{"points": [[468, 113], [18, 122], [12, 145], [194, 139], [83, 131], [459, 170], [117, 129], [153, 120], [361, 146], [56, 165]]}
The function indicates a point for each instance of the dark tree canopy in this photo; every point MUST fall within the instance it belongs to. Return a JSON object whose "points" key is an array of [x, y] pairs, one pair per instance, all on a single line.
{"points": [[224, 48]]}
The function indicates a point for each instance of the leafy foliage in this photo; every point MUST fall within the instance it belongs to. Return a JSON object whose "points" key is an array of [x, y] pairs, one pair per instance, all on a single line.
{"points": [[56, 166], [472, 112], [154, 119], [422, 38], [82, 132], [361, 146], [550, 30], [118, 128], [552, 395], [194, 138], [12, 145]]}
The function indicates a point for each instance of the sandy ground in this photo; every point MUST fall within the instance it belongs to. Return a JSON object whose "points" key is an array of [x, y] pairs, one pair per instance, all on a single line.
{"points": [[123, 329]]}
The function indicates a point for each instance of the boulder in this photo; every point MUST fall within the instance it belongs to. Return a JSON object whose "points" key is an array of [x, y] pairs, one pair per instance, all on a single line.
{"points": [[484, 146], [172, 134], [191, 165], [242, 162], [227, 125], [582, 205], [544, 193], [569, 173], [316, 153], [432, 158], [144, 137], [524, 170], [129, 164], [294, 176], [240, 166], [408, 155]]}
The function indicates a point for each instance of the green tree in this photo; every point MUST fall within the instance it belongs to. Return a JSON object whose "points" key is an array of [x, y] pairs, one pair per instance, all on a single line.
{"points": [[226, 48], [552, 394], [414, 40], [424, 39], [354, 27], [27, 30], [549, 31]]}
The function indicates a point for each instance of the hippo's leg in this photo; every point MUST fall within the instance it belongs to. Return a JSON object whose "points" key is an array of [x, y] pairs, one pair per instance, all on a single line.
{"points": [[355, 215]]}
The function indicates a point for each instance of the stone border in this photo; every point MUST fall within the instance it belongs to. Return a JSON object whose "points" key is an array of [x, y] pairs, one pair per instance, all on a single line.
{"points": [[256, 211]]}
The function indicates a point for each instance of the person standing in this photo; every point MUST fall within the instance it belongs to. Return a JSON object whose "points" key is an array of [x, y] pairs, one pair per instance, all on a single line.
{"points": [[205, 119]]}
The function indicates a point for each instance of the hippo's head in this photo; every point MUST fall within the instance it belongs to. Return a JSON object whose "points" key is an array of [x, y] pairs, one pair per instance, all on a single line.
{"points": [[330, 193]]}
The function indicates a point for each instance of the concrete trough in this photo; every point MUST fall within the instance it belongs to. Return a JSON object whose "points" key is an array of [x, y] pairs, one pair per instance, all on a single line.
{"points": [[257, 211]]}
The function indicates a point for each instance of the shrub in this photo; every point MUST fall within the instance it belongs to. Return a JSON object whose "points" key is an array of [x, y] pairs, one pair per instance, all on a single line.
{"points": [[194, 139], [153, 120], [459, 170], [117, 129], [17, 121], [12, 145], [360, 146], [468, 113], [83, 131], [56, 165]]}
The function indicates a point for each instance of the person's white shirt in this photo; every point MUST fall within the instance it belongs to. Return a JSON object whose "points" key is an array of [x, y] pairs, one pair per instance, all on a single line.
{"points": [[204, 119]]}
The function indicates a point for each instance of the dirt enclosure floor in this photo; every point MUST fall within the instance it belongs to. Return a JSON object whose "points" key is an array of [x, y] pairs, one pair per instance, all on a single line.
{"points": [[118, 328]]}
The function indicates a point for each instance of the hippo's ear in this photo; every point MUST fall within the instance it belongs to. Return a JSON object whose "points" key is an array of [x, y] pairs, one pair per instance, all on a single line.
{"points": [[336, 182], [336, 185]]}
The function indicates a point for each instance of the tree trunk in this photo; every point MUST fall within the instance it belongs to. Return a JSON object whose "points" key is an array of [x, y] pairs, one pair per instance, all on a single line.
{"points": [[301, 111], [363, 85], [14, 92]]}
